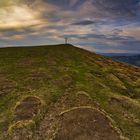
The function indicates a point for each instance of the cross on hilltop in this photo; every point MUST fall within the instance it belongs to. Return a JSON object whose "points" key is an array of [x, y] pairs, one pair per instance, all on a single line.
{"points": [[66, 40]]}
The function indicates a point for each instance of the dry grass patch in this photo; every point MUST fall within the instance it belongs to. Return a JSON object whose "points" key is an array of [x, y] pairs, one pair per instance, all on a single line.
{"points": [[124, 101], [126, 107], [21, 130], [115, 81]]}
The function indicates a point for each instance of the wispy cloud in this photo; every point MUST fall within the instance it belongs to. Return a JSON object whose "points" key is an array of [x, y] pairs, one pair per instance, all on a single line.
{"points": [[104, 25]]}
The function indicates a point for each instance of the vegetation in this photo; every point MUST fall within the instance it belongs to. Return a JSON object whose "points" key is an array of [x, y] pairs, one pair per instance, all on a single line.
{"points": [[46, 81], [133, 59]]}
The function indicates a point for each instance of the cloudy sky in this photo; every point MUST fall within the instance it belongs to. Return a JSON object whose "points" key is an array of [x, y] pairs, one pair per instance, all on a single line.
{"points": [[98, 25]]}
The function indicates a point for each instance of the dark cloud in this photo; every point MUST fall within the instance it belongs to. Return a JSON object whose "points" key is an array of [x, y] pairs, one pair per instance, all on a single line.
{"points": [[104, 37], [84, 22], [112, 8], [117, 8], [9, 32], [66, 4], [117, 31]]}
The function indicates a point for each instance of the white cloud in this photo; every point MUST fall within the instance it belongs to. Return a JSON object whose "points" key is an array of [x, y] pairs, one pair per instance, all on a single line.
{"points": [[15, 16]]}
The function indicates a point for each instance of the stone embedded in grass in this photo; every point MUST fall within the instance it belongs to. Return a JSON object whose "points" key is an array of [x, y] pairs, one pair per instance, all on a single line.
{"points": [[27, 108], [85, 123]]}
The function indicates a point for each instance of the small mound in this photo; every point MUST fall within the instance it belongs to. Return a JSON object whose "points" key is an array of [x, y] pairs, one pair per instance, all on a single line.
{"points": [[65, 81], [6, 86], [38, 75], [123, 102], [83, 93], [115, 81], [84, 99], [125, 107], [27, 108], [85, 124], [25, 62], [21, 130]]}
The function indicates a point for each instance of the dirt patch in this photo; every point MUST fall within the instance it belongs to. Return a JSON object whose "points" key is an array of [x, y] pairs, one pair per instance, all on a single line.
{"points": [[6, 86], [85, 121], [72, 117], [85, 124], [27, 108]]}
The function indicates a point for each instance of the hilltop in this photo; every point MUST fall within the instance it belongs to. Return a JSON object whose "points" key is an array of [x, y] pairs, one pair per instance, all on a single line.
{"points": [[62, 92]]}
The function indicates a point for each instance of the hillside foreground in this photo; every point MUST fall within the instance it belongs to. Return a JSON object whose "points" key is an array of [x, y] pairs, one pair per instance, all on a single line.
{"points": [[62, 92]]}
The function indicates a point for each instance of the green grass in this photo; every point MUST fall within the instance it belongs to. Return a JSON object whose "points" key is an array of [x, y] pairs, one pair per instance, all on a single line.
{"points": [[43, 71]]}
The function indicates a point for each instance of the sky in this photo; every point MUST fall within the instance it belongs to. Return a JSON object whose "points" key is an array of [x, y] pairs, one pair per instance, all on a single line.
{"points": [[106, 26]]}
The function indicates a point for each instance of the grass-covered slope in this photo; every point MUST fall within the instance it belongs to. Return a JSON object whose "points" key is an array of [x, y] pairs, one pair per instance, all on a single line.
{"points": [[62, 92]]}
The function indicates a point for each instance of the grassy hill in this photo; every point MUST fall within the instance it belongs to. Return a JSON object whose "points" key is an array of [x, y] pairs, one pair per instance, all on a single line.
{"points": [[65, 93]]}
